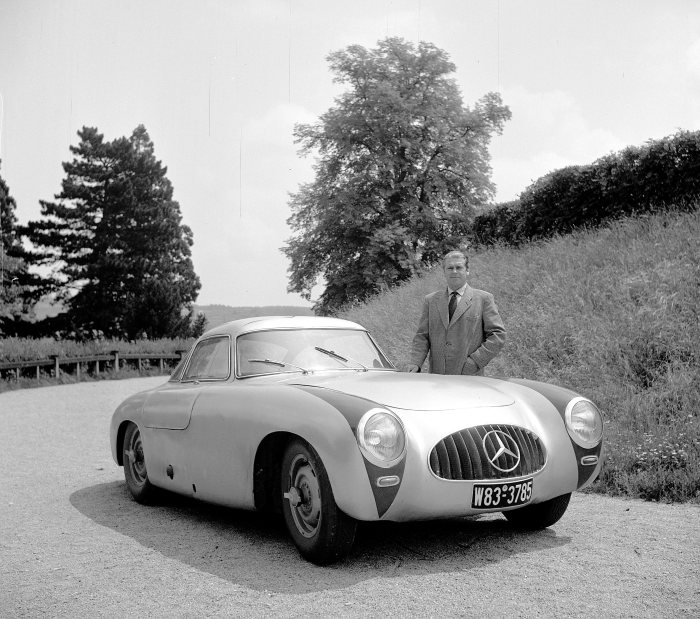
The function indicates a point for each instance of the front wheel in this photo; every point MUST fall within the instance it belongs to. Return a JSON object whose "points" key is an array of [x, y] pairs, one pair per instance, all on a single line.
{"points": [[322, 533], [135, 471], [539, 515]]}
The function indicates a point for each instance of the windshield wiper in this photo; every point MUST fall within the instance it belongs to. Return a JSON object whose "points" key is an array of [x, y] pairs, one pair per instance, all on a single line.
{"points": [[280, 364], [335, 355]]}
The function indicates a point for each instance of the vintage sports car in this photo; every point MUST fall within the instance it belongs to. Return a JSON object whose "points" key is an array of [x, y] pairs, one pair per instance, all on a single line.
{"points": [[306, 416]]}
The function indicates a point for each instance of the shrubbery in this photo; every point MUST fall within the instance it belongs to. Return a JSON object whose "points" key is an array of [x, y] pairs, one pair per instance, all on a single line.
{"points": [[661, 174]]}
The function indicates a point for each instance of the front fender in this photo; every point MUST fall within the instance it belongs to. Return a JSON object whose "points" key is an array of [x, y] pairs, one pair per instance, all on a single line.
{"points": [[329, 428], [560, 397], [217, 451]]}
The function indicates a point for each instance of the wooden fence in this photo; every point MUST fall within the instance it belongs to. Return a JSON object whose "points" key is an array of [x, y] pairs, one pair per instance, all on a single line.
{"points": [[113, 361]]}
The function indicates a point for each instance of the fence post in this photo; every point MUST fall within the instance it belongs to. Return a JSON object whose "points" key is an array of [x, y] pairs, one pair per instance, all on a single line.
{"points": [[116, 360], [56, 366]]}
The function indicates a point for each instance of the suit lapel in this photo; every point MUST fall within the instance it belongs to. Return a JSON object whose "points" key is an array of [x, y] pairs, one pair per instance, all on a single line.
{"points": [[463, 304], [442, 306]]}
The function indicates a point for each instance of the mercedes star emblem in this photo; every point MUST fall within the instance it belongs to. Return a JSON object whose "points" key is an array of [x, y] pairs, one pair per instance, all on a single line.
{"points": [[497, 444]]}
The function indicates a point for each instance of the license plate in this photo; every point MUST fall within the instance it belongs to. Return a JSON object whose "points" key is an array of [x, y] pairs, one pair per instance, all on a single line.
{"points": [[495, 496]]}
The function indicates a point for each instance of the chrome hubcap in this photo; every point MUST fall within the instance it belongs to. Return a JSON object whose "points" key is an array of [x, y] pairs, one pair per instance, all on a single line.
{"points": [[304, 496], [134, 454]]}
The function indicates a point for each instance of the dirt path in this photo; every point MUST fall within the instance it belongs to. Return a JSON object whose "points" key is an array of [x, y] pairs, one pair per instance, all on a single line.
{"points": [[72, 543]]}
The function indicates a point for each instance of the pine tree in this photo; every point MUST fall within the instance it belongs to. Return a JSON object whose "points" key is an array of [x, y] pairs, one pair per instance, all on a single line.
{"points": [[119, 252], [14, 278]]}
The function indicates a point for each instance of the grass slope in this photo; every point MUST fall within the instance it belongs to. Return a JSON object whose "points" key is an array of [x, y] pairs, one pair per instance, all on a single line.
{"points": [[611, 313]]}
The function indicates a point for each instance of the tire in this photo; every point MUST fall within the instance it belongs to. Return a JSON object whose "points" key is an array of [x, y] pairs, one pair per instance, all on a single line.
{"points": [[539, 515], [135, 467], [321, 532]]}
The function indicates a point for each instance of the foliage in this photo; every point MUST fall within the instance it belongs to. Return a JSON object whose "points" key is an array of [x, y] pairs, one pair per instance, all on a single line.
{"points": [[402, 166], [660, 174], [66, 378], [33, 349], [120, 256], [14, 276], [611, 313], [30, 349]]}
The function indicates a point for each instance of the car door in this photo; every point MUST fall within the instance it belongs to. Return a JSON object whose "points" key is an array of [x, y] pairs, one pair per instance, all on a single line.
{"points": [[168, 411], [170, 407]]}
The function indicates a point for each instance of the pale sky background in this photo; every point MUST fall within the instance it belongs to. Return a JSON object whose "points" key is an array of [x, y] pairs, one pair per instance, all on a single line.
{"points": [[219, 85]]}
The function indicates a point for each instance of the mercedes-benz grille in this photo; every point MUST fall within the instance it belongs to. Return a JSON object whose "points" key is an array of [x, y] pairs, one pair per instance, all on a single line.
{"points": [[488, 452]]}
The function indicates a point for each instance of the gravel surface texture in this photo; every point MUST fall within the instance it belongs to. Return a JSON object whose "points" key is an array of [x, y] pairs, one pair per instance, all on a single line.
{"points": [[73, 543]]}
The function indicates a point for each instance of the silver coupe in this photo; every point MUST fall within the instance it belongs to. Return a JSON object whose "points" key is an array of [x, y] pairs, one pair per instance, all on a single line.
{"points": [[306, 416]]}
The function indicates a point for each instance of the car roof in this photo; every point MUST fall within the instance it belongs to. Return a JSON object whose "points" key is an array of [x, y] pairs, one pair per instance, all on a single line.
{"points": [[264, 323]]}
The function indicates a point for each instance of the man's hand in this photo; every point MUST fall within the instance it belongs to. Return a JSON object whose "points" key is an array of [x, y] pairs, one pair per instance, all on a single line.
{"points": [[411, 368], [470, 367]]}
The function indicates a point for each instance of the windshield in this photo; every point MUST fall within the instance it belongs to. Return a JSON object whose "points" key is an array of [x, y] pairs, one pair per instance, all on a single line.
{"points": [[307, 350]]}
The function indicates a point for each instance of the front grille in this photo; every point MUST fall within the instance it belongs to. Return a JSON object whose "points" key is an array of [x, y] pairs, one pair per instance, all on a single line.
{"points": [[463, 456]]}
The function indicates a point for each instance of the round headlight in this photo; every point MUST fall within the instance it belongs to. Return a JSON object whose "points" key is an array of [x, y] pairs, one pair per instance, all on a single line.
{"points": [[584, 422], [381, 437]]}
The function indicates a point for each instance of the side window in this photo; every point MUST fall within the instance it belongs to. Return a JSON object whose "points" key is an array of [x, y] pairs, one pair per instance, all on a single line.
{"points": [[210, 360]]}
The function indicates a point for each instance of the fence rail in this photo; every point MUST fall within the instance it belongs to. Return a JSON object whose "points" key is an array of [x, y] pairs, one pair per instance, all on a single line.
{"points": [[115, 360]]}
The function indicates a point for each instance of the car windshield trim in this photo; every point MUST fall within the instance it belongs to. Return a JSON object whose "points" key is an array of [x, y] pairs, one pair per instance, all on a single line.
{"points": [[288, 350]]}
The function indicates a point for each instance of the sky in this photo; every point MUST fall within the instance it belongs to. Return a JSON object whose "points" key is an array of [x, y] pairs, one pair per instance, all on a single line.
{"points": [[220, 84]]}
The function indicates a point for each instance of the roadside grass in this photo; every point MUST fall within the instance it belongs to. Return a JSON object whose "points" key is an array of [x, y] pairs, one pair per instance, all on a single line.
{"points": [[612, 313], [26, 349], [47, 379]]}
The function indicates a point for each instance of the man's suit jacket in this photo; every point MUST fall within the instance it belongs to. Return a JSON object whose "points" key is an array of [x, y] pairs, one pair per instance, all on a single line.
{"points": [[475, 332]]}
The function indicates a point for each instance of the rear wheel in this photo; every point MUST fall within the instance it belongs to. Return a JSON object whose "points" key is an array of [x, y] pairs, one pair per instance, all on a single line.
{"points": [[135, 471], [539, 515], [322, 533]]}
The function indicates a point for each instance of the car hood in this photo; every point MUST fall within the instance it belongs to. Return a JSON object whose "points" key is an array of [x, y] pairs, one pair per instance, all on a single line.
{"points": [[415, 391]]}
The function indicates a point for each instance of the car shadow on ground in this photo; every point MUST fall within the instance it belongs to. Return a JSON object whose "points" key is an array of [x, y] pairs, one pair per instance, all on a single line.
{"points": [[251, 550]]}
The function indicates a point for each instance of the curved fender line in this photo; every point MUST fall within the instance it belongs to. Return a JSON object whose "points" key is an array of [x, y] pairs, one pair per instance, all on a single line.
{"points": [[353, 408], [560, 397]]}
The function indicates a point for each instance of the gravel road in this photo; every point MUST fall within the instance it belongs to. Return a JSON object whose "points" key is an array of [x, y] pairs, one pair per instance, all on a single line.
{"points": [[73, 544]]}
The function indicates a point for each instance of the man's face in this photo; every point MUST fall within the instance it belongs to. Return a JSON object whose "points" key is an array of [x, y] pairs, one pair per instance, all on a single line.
{"points": [[455, 272]]}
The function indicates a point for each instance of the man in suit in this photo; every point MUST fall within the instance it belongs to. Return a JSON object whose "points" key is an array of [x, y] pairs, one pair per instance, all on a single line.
{"points": [[460, 327]]}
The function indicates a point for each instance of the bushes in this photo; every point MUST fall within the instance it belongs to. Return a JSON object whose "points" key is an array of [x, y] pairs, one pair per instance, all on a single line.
{"points": [[661, 174]]}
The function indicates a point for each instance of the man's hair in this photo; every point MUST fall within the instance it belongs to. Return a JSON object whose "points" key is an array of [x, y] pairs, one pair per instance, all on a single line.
{"points": [[456, 252]]}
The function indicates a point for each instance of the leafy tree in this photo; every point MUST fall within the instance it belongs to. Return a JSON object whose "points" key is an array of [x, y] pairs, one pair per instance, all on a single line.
{"points": [[14, 277], [402, 166], [119, 253]]}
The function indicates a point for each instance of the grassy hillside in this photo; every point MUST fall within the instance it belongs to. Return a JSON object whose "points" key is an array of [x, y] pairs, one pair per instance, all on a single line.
{"points": [[612, 313]]}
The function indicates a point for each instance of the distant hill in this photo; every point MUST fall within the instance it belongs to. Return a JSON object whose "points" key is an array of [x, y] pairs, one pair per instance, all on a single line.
{"points": [[219, 314], [216, 314]]}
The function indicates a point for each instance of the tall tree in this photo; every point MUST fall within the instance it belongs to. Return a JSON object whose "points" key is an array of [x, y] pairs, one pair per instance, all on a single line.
{"points": [[14, 277], [402, 165], [119, 253]]}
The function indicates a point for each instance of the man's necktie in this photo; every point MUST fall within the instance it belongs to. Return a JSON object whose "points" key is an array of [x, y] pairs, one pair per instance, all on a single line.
{"points": [[452, 305]]}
